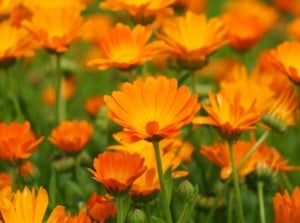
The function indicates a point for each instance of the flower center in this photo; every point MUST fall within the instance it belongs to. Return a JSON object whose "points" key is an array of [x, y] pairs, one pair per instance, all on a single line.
{"points": [[152, 127]]}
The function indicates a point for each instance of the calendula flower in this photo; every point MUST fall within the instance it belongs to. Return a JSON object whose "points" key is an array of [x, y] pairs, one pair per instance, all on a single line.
{"points": [[17, 141], [71, 136], [27, 206], [285, 58], [7, 6], [287, 207], [116, 171], [228, 115], [197, 6], [54, 29], [289, 6], [100, 207], [81, 217], [154, 108], [93, 104], [240, 81], [247, 22], [125, 49], [68, 91], [143, 9], [27, 170], [5, 180], [282, 112], [185, 43], [36, 5], [218, 153], [16, 42], [148, 183]]}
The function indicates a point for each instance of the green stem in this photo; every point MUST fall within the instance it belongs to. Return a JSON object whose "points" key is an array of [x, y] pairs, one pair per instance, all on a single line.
{"points": [[60, 103], [260, 194], [236, 184], [230, 201], [148, 212], [194, 82], [14, 177], [12, 95], [120, 213], [163, 188]]}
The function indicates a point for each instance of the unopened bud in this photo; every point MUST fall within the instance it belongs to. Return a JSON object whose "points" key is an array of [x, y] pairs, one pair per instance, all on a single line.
{"points": [[136, 216]]}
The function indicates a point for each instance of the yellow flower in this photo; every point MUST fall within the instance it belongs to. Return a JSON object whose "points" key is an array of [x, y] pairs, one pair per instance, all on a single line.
{"points": [[285, 58], [7, 6], [54, 29], [36, 5], [138, 9], [287, 207], [154, 108], [187, 43], [124, 48], [228, 115]]}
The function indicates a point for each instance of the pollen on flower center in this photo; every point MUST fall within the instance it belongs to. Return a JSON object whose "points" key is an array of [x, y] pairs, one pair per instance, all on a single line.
{"points": [[152, 127]]}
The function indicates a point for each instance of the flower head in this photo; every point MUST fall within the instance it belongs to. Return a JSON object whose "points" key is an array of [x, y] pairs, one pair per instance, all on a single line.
{"points": [[93, 104], [17, 141], [228, 115], [116, 171], [138, 9], [100, 208], [124, 48], [187, 43], [71, 136], [218, 153], [154, 108], [287, 207], [27, 206], [285, 57], [54, 29]]}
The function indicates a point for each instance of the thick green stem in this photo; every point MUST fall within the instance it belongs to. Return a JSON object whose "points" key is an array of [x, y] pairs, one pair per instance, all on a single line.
{"points": [[260, 194], [163, 188], [14, 177], [60, 103], [120, 208], [236, 184], [148, 212]]}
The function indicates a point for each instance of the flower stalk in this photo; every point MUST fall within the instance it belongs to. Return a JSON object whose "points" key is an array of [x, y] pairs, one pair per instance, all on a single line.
{"points": [[60, 103], [260, 194]]}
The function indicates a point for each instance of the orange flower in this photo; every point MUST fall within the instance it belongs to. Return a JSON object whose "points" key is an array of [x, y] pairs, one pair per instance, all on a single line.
{"points": [[7, 6], [197, 6], [293, 28], [286, 207], [81, 217], [116, 171], [247, 21], [155, 108], [54, 29], [283, 111], [148, 182], [125, 49], [68, 87], [15, 42], [93, 104], [138, 9], [5, 180], [27, 170], [17, 141], [26, 206], [71, 136], [228, 115], [289, 6], [240, 81], [285, 58], [36, 5], [100, 208], [218, 153], [186, 43]]}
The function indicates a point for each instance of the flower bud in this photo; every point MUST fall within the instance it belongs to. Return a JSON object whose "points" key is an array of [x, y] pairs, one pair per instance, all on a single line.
{"points": [[136, 216], [186, 190]]}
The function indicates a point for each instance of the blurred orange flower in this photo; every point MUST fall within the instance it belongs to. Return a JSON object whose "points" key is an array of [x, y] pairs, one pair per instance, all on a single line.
{"points": [[286, 207], [293, 28], [15, 42], [26, 206], [54, 29], [248, 21], [227, 114], [93, 104], [5, 180], [283, 111], [218, 153], [100, 208], [285, 58], [138, 9], [80, 217], [17, 141], [36, 5], [27, 170], [116, 171], [186, 43], [154, 108], [71, 136], [148, 182], [7, 6], [125, 49], [197, 6], [68, 88]]}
